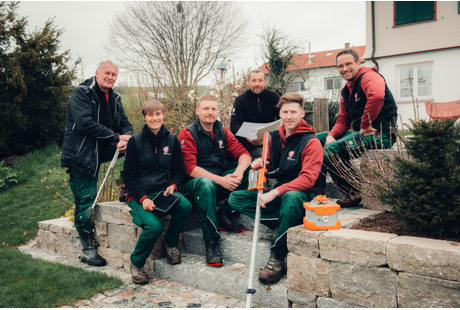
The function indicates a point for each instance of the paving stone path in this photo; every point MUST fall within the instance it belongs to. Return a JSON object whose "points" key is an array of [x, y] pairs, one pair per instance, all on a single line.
{"points": [[158, 293]]}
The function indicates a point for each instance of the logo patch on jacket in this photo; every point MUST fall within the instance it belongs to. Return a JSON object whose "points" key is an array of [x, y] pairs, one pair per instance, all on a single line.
{"points": [[290, 154], [182, 143], [166, 150], [221, 144]]}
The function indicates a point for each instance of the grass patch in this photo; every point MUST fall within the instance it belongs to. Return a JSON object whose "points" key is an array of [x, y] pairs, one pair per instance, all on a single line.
{"points": [[27, 282], [24, 205]]}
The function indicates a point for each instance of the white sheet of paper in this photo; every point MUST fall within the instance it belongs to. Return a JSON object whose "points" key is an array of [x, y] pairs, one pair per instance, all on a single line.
{"points": [[257, 130]]}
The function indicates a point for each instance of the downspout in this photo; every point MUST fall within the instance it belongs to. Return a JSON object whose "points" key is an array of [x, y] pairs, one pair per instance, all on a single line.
{"points": [[373, 36]]}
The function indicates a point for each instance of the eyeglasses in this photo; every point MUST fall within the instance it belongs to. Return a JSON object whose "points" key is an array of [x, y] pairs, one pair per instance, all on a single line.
{"points": [[347, 65]]}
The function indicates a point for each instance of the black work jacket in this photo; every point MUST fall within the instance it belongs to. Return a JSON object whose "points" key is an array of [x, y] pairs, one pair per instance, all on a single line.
{"points": [[83, 132]]}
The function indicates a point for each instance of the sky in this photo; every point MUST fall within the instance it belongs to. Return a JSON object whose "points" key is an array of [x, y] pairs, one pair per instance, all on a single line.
{"points": [[326, 25]]}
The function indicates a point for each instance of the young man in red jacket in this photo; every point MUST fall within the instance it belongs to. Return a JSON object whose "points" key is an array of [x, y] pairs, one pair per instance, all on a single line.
{"points": [[204, 145], [296, 156], [368, 106]]}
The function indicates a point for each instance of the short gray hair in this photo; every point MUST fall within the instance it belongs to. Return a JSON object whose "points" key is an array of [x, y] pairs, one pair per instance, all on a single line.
{"points": [[256, 71], [106, 61]]}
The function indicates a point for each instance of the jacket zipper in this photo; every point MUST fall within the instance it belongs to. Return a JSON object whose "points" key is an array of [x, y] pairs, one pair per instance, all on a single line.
{"points": [[81, 145], [97, 149]]}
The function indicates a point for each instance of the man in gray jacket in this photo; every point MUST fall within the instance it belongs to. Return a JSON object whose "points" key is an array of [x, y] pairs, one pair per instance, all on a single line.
{"points": [[96, 125]]}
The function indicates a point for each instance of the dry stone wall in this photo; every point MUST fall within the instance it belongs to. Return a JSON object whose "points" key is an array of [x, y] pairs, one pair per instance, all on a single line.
{"points": [[349, 269]]}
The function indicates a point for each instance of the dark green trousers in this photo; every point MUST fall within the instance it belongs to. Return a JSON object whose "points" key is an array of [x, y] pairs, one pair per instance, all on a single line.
{"points": [[152, 227], [287, 210], [84, 189], [353, 142], [204, 193]]}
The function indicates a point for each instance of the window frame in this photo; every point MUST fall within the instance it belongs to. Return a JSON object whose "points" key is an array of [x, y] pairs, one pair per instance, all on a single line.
{"points": [[333, 78], [435, 11], [415, 67]]}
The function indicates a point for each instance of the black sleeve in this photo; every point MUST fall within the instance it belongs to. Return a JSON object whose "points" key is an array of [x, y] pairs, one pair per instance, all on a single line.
{"points": [[237, 118], [276, 110], [131, 171], [176, 172]]}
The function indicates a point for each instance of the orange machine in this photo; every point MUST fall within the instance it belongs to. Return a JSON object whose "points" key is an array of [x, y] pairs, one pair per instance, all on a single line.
{"points": [[321, 214]]}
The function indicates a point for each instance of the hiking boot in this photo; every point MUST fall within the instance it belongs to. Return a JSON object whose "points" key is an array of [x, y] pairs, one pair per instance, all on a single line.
{"points": [[173, 255], [89, 254], [213, 255], [225, 222], [274, 270], [139, 275], [348, 203]]}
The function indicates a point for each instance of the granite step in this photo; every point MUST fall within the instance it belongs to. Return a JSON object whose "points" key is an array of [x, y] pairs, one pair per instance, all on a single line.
{"points": [[230, 279], [235, 247]]}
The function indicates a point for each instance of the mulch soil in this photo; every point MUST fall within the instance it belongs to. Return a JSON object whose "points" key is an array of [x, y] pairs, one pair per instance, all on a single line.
{"points": [[387, 223]]}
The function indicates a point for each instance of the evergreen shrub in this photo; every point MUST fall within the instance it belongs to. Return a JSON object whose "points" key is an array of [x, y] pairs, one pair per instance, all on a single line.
{"points": [[425, 191]]}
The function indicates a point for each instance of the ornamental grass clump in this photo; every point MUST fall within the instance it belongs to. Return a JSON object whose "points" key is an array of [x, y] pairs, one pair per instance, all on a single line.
{"points": [[425, 190]]}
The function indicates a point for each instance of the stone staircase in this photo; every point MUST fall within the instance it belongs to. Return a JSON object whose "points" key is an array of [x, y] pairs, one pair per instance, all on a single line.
{"points": [[117, 236]]}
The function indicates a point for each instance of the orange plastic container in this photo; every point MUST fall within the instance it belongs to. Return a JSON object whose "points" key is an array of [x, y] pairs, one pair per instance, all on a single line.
{"points": [[321, 214]]}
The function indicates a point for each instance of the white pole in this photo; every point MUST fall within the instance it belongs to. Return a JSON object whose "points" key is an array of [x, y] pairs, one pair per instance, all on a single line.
{"points": [[255, 239], [114, 160]]}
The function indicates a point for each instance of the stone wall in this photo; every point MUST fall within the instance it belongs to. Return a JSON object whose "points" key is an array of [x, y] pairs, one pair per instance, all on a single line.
{"points": [[350, 269], [114, 231]]}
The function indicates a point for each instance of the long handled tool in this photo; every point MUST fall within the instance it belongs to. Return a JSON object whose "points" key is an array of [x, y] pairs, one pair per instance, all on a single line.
{"points": [[114, 160], [257, 181]]}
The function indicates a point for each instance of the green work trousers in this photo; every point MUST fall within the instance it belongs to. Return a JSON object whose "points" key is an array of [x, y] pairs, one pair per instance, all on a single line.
{"points": [[350, 143], [288, 210], [152, 227], [204, 193], [84, 189]]}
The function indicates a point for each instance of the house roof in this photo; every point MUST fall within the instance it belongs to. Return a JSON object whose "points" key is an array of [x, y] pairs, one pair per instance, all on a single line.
{"points": [[320, 60]]}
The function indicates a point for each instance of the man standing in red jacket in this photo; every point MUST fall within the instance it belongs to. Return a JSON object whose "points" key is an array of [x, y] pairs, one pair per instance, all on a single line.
{"points": [[368, 106], [296, 156], [204, 145]]}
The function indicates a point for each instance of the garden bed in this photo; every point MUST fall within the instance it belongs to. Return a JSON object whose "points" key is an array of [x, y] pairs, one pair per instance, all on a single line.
{"points": [[387, 223]]}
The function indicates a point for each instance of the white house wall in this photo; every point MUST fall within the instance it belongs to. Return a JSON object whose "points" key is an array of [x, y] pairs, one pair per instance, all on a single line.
{"points": [[445, 78], [315, 84], [444, 32]]}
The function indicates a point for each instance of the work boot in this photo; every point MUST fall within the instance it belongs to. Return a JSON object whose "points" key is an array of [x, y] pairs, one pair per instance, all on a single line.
{"points": [[89, 255], [225, 222], [274, 270], [213, 255], [348, 203], [139, 275], [173, 255]]}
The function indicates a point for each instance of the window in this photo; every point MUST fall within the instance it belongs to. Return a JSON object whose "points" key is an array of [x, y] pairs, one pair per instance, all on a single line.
{"points": [[406, 12], [331, 83], [419, 75], [296, 87]]}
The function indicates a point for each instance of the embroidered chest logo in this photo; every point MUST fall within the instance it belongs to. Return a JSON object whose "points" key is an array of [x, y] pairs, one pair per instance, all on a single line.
{"points": [[221, 144], [182, 143], [356, 98], [290, 154], [233, 110], [166, 150]]}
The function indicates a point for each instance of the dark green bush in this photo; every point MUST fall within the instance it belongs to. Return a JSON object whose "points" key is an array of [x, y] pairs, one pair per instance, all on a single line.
{"points": [[425, 191], [35, 83]]}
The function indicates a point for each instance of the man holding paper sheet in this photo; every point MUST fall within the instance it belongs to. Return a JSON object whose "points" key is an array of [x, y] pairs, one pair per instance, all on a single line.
{"points": [[256, 105], [153, 168], [204, 145], [295, 157]]}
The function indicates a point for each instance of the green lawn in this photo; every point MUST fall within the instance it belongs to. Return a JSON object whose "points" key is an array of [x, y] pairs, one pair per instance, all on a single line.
{"points": [[21, 208]]}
